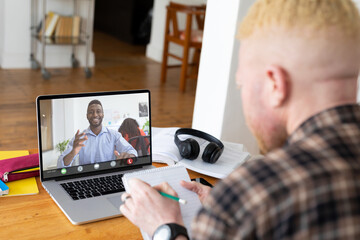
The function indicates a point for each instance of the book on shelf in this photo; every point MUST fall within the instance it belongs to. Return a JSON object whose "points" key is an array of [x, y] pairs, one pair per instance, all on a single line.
{"points": [[68, 30], [50, 29], [76, 26], [59, 26], [68, 27], [48, 19], [64, 29], [60, 35], [164, 150]]}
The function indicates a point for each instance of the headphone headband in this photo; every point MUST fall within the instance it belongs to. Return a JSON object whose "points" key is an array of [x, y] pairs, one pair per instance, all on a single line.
{"points": [[197, 133]]}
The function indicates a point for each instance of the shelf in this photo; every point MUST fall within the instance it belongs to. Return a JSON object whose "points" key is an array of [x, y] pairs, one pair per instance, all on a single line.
{"points": [[60, 25], [62, 40]]}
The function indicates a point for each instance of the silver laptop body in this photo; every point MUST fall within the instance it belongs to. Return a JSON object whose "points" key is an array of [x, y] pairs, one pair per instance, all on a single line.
{"points": [[60, 117]]}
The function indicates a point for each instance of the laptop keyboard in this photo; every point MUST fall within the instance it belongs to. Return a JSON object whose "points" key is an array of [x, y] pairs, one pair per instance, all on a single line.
{"points": [[94, 187]]}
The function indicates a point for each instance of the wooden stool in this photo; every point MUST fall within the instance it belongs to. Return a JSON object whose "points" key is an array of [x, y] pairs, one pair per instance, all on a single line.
{"points": [[187, 38]]}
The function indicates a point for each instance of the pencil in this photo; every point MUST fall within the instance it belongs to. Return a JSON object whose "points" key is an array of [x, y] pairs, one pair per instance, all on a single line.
{"points": [[26, 170], [182, 201]]}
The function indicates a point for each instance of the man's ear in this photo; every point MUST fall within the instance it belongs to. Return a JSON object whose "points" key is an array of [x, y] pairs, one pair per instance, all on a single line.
{"points": [[277, 85]]}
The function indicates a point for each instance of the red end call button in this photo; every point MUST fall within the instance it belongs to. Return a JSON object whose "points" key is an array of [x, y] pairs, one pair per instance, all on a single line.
{"points": [[130, 161]]}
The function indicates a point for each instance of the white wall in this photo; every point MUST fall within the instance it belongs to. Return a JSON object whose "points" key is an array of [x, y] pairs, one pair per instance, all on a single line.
{"points": [[357, 3], [218, 103], [238, 132], [154, 49], [2, 6], [16, 34]]}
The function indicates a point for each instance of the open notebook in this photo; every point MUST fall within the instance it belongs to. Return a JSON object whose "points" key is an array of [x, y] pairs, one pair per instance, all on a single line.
{"points": [[173, 175]]}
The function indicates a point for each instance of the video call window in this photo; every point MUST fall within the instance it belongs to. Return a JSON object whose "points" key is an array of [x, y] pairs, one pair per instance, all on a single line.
{"points": [[95, 130]]}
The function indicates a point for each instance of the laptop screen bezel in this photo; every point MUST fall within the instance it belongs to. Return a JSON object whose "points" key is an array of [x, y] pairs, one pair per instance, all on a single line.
{"points": [[79, 95]]}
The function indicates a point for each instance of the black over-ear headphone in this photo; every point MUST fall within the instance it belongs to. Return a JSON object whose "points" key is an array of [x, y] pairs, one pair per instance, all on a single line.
{"points": [[190, 148]]}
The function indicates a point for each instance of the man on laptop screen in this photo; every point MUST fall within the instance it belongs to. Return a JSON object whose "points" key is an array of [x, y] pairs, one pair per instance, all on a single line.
{"points": [[80, 132], [97, 143]]}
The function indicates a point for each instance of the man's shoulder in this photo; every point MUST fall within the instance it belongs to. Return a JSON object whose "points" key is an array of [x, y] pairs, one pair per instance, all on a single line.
{"points": [[265, 176], [284, 167], [266, 166], [255, 183], [289, 167]]}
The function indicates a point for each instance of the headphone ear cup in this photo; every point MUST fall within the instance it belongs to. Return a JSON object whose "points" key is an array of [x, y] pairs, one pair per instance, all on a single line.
{"points": [[211, 153], [189, 149]]}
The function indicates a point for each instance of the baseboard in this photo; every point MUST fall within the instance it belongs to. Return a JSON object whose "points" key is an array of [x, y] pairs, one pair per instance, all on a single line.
{"points": [[1, 53], [15, 60], [57, 57], [153, 52]]}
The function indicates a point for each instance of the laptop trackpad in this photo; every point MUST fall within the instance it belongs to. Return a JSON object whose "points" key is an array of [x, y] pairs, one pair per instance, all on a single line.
{"points": [[115, 201]]}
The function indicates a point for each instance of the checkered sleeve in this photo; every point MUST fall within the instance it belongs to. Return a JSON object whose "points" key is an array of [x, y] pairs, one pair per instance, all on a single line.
{"points": [[224, 214]]}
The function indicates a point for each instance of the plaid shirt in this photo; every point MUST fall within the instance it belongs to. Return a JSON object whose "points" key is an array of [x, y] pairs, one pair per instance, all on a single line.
{"points": [[308, 189]]}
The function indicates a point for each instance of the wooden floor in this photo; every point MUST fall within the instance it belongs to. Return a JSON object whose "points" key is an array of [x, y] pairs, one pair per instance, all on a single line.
{"points": [[119, 66]]}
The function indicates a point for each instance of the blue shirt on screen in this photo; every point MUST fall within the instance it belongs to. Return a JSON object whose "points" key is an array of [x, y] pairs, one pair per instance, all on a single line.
{"points": [[98, 148]]}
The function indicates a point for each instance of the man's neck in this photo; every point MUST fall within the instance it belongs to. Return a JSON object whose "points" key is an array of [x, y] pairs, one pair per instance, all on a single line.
{"points": [[318, 96], [96, 130], [303, 115]]}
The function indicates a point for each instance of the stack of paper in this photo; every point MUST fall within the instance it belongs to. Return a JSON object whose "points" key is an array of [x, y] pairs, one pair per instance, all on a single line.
{"points": [[172, 175]]}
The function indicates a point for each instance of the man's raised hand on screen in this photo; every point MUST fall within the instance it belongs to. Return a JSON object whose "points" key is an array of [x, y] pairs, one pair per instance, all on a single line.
{"points": [[79, 140], [78, 143]]}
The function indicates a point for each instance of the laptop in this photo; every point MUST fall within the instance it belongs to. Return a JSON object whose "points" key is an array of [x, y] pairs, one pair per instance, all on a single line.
{"points": [[87, 141]]}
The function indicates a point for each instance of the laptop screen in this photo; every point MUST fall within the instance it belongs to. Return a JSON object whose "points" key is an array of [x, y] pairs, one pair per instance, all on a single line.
{"points": [[81, 134]]}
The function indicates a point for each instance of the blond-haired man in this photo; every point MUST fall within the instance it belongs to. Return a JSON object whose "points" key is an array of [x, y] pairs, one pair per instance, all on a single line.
{"points": [[298, 67]]}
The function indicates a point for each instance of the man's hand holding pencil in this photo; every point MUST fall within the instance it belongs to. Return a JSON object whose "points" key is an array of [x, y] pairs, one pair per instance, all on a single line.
{"points": [[148, 208]]}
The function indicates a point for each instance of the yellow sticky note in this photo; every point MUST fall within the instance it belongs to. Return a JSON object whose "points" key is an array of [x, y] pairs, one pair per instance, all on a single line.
{"points": [[12, 154], [25, 186]]}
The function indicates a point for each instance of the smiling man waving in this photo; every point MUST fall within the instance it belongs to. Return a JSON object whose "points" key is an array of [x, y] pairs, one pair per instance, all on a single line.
{"points": [[97, 143]]}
